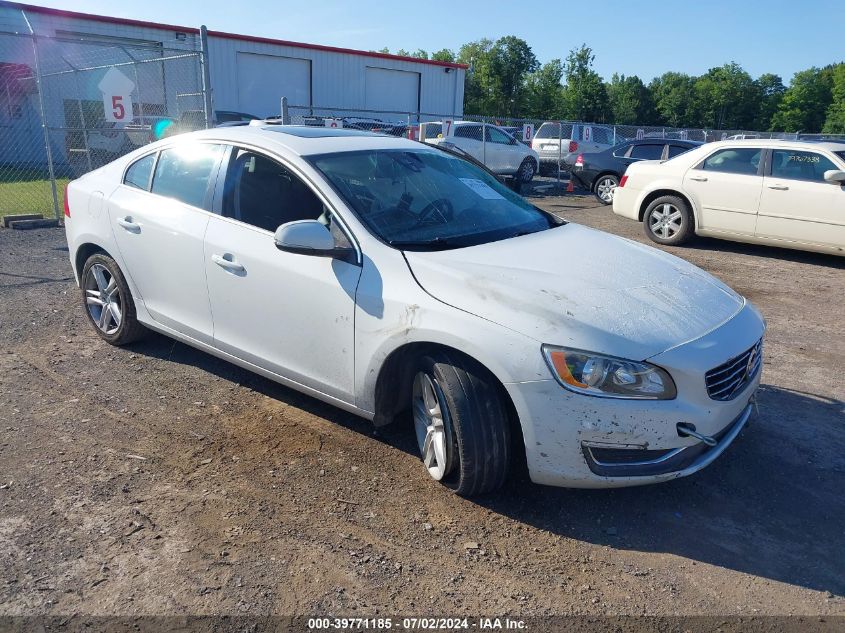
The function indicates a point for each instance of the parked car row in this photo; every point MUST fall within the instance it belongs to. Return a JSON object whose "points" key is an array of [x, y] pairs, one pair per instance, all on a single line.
{"points": [[783, 193], [600, 173]]}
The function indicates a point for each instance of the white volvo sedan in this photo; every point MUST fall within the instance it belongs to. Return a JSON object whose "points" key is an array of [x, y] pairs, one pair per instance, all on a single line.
{"points": [[383, 275], [782, 193]]}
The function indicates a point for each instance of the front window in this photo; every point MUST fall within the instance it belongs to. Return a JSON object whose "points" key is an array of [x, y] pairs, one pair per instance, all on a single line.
{"points": [[798, 165], [423, 200]]}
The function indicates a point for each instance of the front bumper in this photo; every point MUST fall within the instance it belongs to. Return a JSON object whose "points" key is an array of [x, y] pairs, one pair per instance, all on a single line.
{"points": [[580, 441]]}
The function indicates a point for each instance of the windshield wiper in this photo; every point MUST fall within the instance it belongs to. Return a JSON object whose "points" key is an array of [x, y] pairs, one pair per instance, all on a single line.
{"points": [[437, 242]]}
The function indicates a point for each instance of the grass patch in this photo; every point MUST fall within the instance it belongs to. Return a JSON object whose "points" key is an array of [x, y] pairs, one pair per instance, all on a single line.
{"points": [[30, 196]]}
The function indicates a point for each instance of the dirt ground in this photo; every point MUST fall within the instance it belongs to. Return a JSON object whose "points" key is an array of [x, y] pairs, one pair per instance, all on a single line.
{"points": [[159, 480]]}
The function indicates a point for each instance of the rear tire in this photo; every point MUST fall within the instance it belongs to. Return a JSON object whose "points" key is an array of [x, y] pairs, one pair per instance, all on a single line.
{"points": [[669, 221], [604, 187], [461, 424], [108, 301], [526, 171]]}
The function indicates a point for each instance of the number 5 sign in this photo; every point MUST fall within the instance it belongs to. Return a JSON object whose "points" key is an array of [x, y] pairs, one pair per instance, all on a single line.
{"points": [[117, 96]]}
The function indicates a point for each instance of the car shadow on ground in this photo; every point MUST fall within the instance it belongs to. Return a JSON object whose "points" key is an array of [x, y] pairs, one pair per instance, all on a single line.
{"points": [[760, 250], [771, 506]]}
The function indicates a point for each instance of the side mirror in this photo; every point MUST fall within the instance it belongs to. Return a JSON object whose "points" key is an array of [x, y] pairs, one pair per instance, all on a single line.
{"points": [[309, 237], [835, 176]]}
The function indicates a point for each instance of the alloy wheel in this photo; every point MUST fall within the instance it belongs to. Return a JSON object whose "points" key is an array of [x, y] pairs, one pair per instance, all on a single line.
{"points": [[433, 426], [665, 220], [527, 171], [102, 297], [605, 189]]}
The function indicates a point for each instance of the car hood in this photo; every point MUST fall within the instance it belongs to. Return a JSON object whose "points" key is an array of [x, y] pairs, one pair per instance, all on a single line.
{"points": [[580, 288]]}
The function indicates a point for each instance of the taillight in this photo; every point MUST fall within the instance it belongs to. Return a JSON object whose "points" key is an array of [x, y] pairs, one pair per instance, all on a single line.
{"points": [[623, 181], [573, 146], [67, 204]]}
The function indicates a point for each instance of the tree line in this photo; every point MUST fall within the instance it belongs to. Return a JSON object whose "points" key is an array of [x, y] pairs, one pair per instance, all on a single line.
{"points": [[506, 79]]}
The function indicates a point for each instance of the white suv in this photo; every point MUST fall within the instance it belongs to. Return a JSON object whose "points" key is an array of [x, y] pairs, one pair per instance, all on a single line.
{"points": [[559, 144], [489, 144], [783, 193]]}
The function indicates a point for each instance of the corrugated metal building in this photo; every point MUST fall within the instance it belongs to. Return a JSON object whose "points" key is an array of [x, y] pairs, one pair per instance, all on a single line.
{"points": [[250, 74]]}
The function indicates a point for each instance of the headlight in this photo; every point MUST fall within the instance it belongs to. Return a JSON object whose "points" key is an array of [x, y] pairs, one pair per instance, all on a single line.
{"points": [[606, 376]]}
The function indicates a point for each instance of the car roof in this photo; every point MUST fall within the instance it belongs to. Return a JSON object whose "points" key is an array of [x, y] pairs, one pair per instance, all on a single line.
{"points": [[833, 146], [303, 140]]}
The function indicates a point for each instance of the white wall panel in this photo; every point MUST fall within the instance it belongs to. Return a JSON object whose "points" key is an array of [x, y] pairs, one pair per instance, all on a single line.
{"points": [[264, 79]]}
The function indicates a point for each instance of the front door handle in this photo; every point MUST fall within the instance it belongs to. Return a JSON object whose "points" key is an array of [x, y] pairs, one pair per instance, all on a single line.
{"points": [[228, 264], [129, 225], [778, 187], [698, 178]]}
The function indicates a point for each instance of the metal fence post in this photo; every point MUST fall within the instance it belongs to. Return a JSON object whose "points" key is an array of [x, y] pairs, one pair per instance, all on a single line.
{"points": [[206, 78], [43, 114], [284, 111]]}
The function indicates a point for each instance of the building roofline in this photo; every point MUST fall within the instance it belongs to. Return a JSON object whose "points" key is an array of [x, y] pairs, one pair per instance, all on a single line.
{"points": [[222, 34]]}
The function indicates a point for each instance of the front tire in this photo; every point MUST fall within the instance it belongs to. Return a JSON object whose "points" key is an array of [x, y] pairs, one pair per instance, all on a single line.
{"points": [[461, 424], [605, 187], [669, 221], [108, 301]]}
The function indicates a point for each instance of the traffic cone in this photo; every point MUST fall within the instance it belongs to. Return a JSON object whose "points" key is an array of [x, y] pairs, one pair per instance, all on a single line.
{"points": [[570, 187]]}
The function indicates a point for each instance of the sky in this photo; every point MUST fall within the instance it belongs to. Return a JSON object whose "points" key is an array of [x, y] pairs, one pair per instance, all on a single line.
{"points": [[631, 37]]}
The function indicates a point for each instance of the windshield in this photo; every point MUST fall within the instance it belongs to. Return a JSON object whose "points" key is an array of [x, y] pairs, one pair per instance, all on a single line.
{"points": [[427, 199]]}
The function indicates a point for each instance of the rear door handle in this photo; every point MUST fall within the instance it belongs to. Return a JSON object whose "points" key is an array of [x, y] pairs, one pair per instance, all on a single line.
{"points": [[698, 178], [228, 264], [778, 187], [129, 225]]}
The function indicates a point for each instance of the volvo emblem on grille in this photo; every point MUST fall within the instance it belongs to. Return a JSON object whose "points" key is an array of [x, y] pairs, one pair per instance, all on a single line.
{"points": [[752, 359]]}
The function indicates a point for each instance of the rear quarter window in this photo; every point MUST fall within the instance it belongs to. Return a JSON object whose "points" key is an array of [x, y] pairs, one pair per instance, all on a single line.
{"points": [[138, 174]]}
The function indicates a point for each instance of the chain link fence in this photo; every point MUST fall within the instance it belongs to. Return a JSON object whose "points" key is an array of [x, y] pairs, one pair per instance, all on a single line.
{"points": [[499, 142], [70, 104]]}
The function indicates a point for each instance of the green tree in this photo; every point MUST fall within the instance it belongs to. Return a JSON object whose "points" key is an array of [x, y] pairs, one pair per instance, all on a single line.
{"points": [[805, 103], [630, 100], [673, 98], [584, 97], [544, 92], [835, 121], [726, 98], [444, 55], [512, 60], [420, 54], [403, 53], [481, 86], [770, 91]]}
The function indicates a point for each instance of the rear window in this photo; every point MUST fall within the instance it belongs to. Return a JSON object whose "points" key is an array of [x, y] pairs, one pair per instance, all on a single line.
{"points": [[734, 161], [840, 154], [183, 172], [554, 130], [433, 129], [675, 150]]}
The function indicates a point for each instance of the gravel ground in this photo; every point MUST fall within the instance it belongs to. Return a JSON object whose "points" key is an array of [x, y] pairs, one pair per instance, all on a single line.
{"points": [[157, 479]]}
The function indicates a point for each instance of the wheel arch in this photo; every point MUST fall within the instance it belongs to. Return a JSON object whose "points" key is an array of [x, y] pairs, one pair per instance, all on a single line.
{"points": [[657, 193], [83, 252], [395, 379]]}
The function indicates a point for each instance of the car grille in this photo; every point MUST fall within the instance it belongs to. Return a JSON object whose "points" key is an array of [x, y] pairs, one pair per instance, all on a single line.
{"points": [[728, 380]]}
